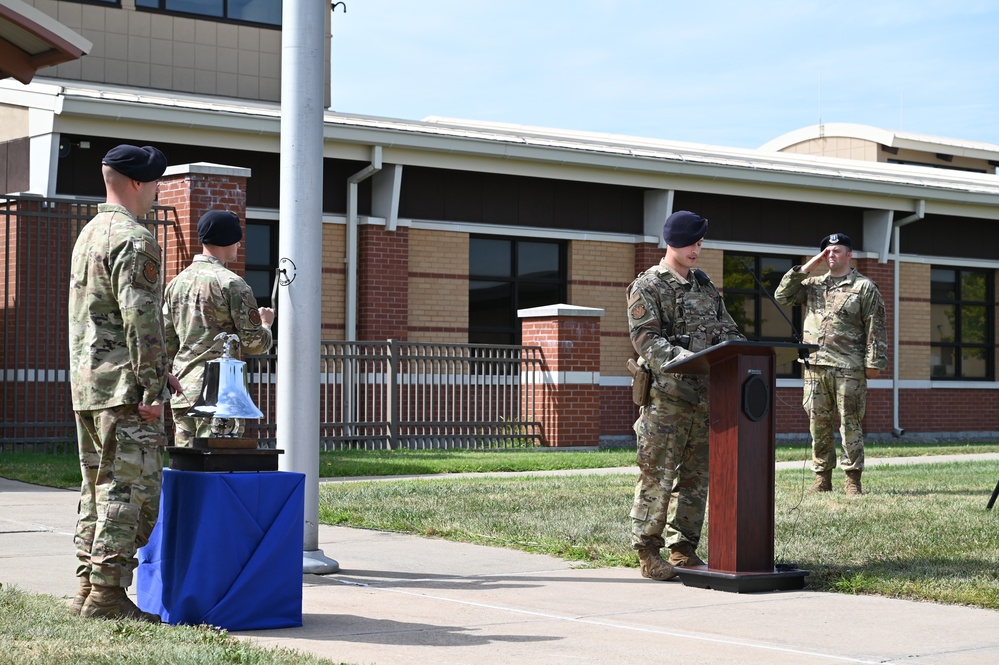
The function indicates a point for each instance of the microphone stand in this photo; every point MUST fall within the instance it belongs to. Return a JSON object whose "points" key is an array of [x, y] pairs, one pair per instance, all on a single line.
{"points": [[802, 353]]}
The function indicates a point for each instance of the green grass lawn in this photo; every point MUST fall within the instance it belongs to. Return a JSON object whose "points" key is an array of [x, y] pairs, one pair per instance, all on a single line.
{"points": [[62, 470], [36, 629], [920, 531]]}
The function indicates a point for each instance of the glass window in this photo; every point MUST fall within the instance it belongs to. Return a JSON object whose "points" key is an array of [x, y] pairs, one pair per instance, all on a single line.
{"points": [[962, 329], [750, 282], [506, 275], [260, 247], [266, 12]]}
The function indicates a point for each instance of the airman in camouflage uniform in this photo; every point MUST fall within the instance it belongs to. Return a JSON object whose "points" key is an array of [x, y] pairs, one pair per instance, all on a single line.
{"points": [[119, 382], [845, 317], [206, 299], [674, 311]]}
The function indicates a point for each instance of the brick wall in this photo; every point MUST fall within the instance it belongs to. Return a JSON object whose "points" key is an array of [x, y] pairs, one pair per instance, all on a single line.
{"points": [[334, 282], [194, 189], [438, 286], [383, 283], [914, 322], [570, 406]]}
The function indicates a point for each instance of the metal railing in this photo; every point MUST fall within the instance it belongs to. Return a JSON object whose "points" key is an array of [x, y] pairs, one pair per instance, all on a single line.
{"points": [[393, 394], [38, 236], [373, 394]]}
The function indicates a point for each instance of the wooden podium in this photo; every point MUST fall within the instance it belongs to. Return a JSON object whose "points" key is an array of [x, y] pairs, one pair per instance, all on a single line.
{"points": [[741, 476]]}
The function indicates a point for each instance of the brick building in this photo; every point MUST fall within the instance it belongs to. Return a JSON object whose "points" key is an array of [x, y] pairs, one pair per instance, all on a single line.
{"points": [[459, 225]]}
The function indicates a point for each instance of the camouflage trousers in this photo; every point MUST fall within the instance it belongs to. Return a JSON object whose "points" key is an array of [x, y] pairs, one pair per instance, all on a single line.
{"points": [[829, 390], [672, 463], [185, 428], [121, 459]]}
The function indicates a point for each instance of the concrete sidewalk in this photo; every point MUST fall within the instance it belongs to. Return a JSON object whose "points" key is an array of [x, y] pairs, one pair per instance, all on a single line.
{"points": [[408, 599]]}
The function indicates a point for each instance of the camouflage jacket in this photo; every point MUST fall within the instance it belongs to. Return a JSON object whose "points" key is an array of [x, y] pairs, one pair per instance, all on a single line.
{"points": [[844, 316], [116, 351], [664, 310], [206, 299]]}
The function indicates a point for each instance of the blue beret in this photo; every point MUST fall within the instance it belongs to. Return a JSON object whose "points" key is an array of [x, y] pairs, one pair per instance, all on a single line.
{"points": [[684, 228], [143, 164], [219, 227], [836, 239]]}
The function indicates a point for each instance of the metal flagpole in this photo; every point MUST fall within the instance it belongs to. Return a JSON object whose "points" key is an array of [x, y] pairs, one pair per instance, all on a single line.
{"points": [[300, 251]]}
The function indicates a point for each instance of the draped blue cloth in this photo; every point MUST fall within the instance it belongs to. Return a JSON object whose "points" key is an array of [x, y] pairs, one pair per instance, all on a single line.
{"points": [[226, 550]]}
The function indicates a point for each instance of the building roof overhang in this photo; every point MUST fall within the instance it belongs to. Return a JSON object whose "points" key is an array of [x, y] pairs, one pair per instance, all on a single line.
{"points": [[106, 110], [31, 40], [886, 137]]}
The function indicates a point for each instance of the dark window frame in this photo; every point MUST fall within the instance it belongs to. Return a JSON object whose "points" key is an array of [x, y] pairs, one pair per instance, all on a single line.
{"points": [[161, 8], [513, 328], [731, 292], [959, 303], [271, 265]]}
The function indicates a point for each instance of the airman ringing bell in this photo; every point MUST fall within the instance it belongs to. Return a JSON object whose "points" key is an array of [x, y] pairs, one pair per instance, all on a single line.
{"points": [[224, 395]]}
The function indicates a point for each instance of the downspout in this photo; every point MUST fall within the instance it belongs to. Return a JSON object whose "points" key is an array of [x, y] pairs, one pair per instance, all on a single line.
{"points": [[896, 234], [350, 315]]}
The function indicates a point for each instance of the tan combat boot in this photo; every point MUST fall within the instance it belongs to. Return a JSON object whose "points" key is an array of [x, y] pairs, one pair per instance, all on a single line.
{"points": [[853, 483], [823, 482], [111, 602], [684, 554], [81, 597], [653, 566]]}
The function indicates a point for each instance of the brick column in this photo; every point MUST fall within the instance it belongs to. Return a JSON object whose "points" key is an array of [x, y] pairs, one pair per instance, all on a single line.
{"points": [[194, 189], [569, 337], [382, 283]]}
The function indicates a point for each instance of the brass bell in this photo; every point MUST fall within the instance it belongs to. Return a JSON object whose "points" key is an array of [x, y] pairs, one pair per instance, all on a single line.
{"points": [[223, 391]]}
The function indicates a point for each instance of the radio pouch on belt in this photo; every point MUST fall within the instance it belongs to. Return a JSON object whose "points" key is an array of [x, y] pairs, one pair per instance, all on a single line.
{"points": [[641, 383]]}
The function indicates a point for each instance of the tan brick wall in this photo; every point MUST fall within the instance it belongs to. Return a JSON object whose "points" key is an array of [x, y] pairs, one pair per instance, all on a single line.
{"points": [[438, 286], [914, 322], [712, 261], [334, 282], [599, 275]]}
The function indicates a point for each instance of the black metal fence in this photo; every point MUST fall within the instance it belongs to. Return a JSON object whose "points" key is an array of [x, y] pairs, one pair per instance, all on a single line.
{"points": [[395, 394], [373, 395], [38, 237]]}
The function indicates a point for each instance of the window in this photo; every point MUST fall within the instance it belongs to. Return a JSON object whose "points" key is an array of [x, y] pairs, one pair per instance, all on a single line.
{"points": [[505, 275], [962, 334], [267, 12], [261, 246], [758, 316]]}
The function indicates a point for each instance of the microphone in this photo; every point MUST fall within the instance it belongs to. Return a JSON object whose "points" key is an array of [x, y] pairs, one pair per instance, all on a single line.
{"points": [[802, 353]]}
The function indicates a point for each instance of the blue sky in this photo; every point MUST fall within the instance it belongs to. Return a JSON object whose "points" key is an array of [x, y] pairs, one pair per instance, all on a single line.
{"points": [[722, 72]]}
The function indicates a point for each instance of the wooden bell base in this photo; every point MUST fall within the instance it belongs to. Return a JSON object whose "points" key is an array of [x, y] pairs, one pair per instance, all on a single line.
{"points": [[218, 442], [183, 458]]}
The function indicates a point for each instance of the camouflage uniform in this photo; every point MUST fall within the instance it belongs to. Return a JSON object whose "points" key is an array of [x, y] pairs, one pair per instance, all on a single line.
{"points": [[202, 301], [672, 430], [117, 361], [845, 317]]}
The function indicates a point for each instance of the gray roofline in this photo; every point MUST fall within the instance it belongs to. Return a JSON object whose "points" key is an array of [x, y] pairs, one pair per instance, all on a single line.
{"points": [[887, 137], [491, 147]]}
